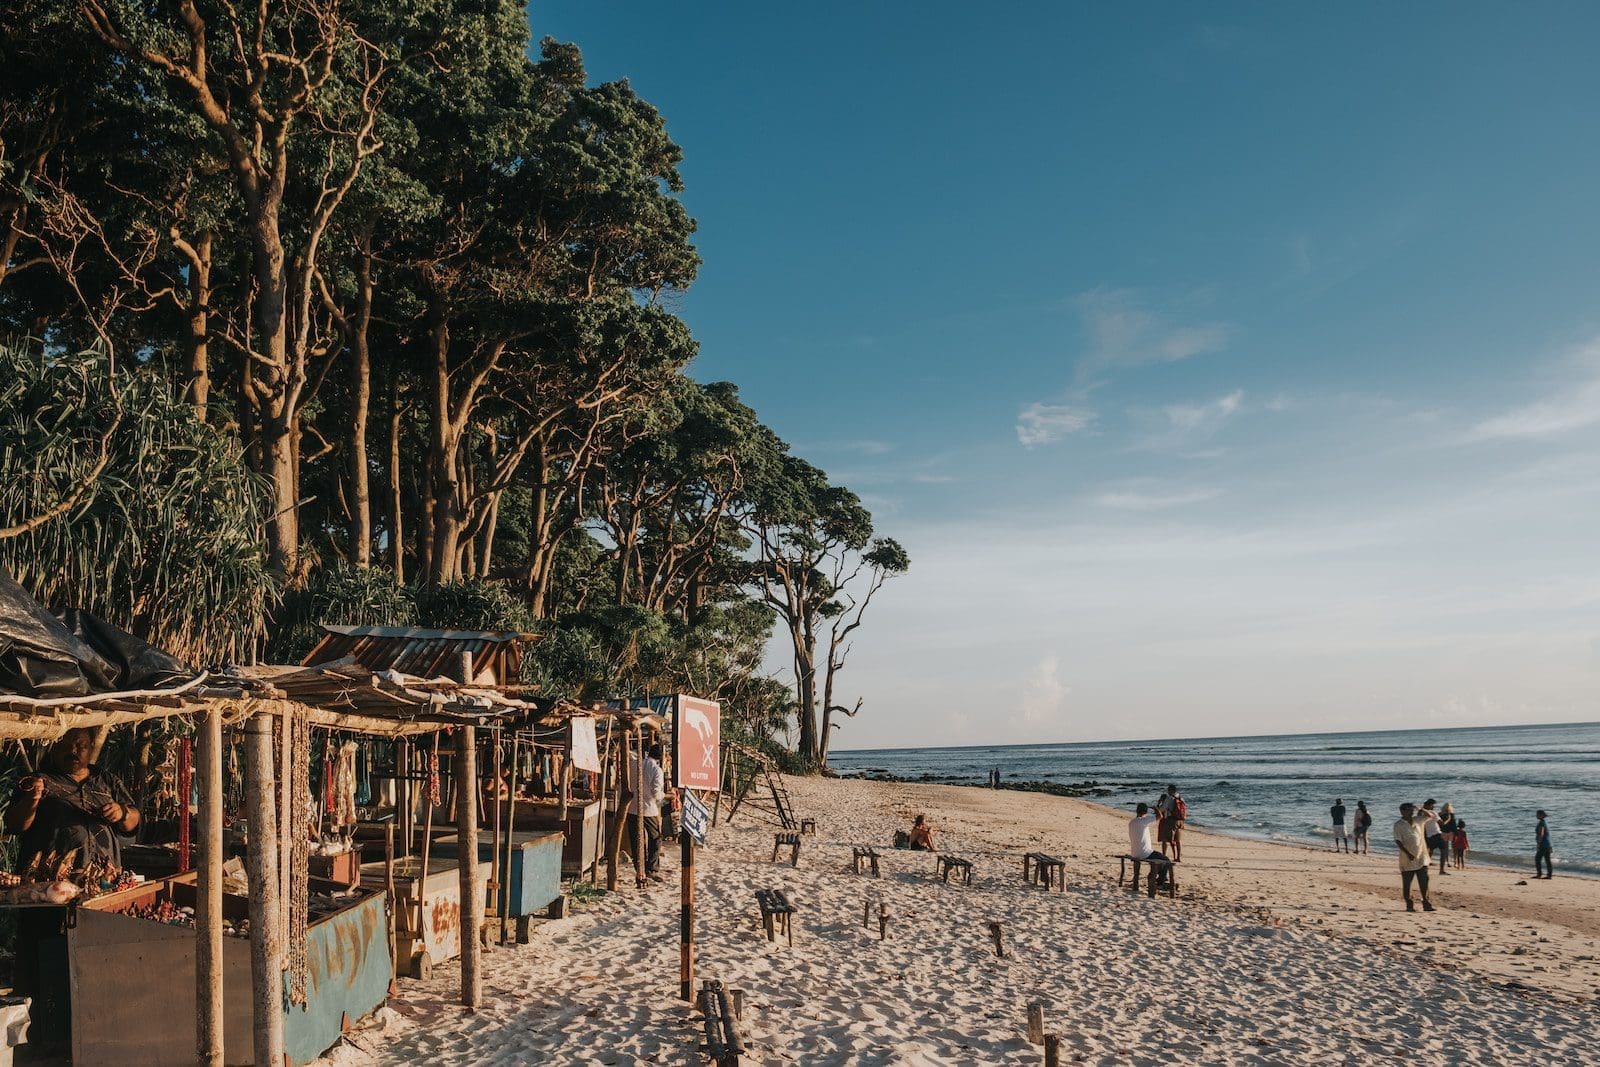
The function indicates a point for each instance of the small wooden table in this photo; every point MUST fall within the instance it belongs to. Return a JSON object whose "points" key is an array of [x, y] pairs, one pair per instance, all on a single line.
{"points": [[776, 912], [963, 867], [1045, 869]]}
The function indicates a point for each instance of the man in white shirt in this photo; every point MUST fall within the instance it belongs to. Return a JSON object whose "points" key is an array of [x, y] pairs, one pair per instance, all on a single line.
{"points": [[1142, 848], [1411, 838], [644, 809]]}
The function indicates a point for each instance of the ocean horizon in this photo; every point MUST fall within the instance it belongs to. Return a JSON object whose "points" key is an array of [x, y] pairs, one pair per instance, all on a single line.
{"points": [[1281, 786]]}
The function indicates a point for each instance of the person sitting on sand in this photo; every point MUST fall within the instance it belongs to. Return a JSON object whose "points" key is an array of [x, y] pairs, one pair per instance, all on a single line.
{"points": [[1363, 826], [1414, 861], [1458, 847], [922, 836]]}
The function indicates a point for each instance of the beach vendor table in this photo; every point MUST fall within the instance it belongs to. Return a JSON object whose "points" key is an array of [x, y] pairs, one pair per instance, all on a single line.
{"points": [[582, 848], [531, 884], [133, 979], [438, 938]]}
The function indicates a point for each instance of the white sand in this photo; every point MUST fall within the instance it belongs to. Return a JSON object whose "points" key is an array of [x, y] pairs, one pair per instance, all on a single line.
{"points": [[1311, 960]]}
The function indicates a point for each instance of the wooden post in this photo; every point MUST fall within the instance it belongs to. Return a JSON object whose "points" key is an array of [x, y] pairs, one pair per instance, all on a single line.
{"points": [[466, 775], [511, 830], [497, 875], [638, 823], [185, 791], [388, 884], [883, 921], [686, 915], [1036, 1023], [404, 795], [738, 1003], [208, 1031], [620, 815], [266, 917], [1052, 1050], [285, 821], [997, 931]]}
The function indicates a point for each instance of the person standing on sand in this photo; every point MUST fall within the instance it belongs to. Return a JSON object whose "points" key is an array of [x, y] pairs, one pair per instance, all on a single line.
{"points": [[1339, 836], [1544, 853], [1447, 835], [1172, 811], [1363, 826], [1430, 825], [1409, 835]]}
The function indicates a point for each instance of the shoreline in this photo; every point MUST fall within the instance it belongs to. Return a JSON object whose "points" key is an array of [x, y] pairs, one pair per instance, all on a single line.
{"points": [[1087, 792], [1224, 973]]}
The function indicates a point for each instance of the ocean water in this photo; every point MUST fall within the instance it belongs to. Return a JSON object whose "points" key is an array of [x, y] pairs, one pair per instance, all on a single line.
{"points": [[1282, 787]]}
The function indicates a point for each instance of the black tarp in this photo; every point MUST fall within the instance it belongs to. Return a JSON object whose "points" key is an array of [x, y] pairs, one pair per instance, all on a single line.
{"points": [[42, 656]]}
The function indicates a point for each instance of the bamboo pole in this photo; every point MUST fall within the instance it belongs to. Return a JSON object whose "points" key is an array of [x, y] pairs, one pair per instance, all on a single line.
{"points": [[497, 874], [465, 774], [511, 826], [266, 940], [208, 1027]]}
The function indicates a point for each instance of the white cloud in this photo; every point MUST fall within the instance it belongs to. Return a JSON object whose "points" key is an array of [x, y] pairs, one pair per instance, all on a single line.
{"points": [[1138, 500], [1125, 331], [1575, 406], [1205, 418], [1040, 424]]}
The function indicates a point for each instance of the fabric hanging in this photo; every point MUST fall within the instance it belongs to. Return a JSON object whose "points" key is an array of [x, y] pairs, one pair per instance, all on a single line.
{"points": [[344, 787], [363, 776]]}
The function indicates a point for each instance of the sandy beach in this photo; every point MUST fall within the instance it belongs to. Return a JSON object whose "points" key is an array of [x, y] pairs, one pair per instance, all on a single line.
{"points": [[1270, 954]]}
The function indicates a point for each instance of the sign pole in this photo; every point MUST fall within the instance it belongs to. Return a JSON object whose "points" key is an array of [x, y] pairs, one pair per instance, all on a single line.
{"points": [[686, 916]]}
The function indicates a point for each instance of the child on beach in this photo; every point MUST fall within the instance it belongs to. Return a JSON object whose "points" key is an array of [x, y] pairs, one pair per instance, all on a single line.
{"points": [[1459, 845]]}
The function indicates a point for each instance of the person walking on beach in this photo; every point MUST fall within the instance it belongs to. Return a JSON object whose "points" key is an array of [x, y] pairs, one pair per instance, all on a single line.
{"points": [[1340, 838], [1363, 826], [1409, 835], [1544, 853], [1447, 835], [1172, 811], [644, 809]]}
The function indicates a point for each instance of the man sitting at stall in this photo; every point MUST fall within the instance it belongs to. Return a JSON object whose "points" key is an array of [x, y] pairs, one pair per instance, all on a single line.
{"points": [[70, 805]]}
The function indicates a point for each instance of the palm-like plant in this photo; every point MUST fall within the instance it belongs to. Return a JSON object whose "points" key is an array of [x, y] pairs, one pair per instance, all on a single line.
{"points": [[117, 499]]}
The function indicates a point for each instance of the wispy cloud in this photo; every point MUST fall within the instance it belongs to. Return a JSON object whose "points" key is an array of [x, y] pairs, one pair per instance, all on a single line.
{"points": [[1040, 424], [1127, 329], [1151, 500], [1205, 418], [1574, 406]]}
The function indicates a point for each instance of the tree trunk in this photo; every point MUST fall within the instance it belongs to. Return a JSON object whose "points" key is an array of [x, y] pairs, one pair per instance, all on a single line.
{"points": [[445, 535], [199, 325], [397, 540], [360, 399]]}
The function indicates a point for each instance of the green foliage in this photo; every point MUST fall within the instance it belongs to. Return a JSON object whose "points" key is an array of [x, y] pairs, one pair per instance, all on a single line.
{"points": [[472, 605], [162, 535], [340, 595]]}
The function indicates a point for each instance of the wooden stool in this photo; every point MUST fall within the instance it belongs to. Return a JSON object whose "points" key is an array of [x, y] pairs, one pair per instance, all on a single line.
{"points": [[808, 826], [860, 854], [776, 912], [792, 840], [1158, 864]]}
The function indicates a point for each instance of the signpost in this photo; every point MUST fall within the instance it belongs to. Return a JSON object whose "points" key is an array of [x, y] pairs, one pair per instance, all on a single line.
{"points": [[696, 751]]}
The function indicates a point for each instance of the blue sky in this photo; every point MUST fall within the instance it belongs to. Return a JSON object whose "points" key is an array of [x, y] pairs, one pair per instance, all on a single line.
{"points": [[1224, 369]]}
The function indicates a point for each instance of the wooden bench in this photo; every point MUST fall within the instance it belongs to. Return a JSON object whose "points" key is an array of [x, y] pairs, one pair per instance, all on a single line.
{"points": [[723, 1043], [776, 912], [790, 840], [1158, 863], [963, 867], [1045, 869], [808, 826], [860, 854]]}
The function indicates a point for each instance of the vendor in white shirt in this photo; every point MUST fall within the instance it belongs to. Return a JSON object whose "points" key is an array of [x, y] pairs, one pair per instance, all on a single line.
{"points": [[644, 809]]}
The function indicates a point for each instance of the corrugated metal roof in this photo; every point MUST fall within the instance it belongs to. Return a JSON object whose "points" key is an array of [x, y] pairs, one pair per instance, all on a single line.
{"points": [[496, 655]]}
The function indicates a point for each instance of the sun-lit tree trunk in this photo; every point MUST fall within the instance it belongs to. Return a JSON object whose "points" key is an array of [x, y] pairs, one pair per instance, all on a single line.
{"points": [[360, 401]]}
